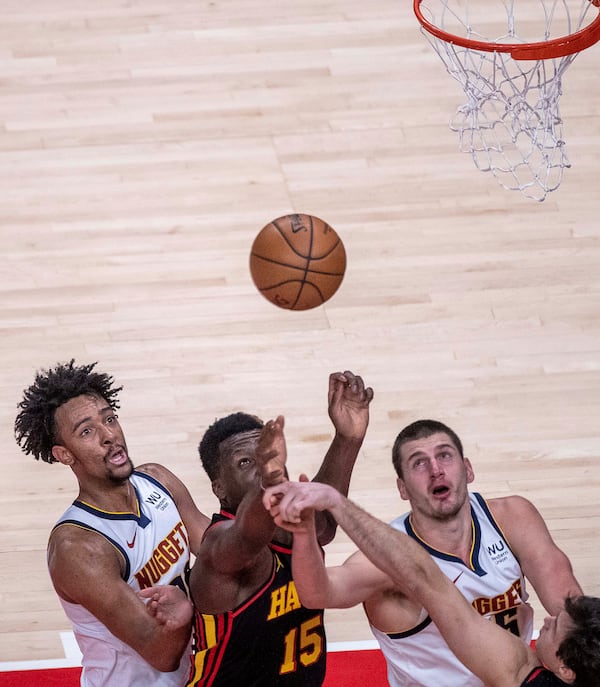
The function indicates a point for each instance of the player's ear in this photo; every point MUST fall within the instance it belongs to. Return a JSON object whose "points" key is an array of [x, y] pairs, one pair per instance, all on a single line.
{"points": [[401, 488], [469, 470], [62, 455], [218, 489], [565, 674]]}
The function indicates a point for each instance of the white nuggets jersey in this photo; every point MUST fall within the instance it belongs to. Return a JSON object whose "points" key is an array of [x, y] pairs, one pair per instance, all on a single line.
{"points": [[493, 583], [155, 546]]}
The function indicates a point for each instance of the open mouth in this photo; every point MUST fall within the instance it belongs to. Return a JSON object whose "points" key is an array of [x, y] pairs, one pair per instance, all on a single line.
{"points": [[117, 457], [440, 491]]}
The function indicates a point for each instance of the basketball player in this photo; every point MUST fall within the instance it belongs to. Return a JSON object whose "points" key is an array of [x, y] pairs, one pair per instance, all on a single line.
{"points": [[127, 530], [568, 648], [249, 625], [486, 548]]}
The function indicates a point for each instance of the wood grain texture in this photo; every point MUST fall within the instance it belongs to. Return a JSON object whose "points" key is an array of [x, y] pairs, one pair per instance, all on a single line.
{"points": [[142, 147]]}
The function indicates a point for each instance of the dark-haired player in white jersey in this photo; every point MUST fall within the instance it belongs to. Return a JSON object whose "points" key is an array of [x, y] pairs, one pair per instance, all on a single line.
{"points": [[126, 531], [567, 650], [486, 548]]}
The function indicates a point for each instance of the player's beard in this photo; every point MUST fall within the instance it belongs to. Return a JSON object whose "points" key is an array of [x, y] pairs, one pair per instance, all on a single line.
{"points": [[121, 479]]}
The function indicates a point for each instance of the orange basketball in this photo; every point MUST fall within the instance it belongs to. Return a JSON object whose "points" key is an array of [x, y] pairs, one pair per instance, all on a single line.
{"points": [[297, 262]]}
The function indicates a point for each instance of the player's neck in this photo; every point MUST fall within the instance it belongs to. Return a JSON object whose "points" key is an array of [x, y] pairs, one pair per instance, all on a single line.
{"points": [[453, 535], [119, 499]]}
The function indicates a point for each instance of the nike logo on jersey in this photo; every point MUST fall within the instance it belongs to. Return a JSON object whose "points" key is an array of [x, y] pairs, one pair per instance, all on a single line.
{"points": [[131, 544]]}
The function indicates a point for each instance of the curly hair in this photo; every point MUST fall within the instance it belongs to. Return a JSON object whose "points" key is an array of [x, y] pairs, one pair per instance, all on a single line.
{"points": [[580, 650], [35, 426], [222, 429], [421, 429]]}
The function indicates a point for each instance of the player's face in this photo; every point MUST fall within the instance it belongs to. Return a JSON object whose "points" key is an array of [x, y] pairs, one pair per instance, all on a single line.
{"points": [[90, 439], [552, 634], [238, 470], [434, 476]]}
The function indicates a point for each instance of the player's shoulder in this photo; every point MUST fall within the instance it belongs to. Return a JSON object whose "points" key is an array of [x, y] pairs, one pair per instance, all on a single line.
{"points": [[155, 470], [210, 550], [73, 543], [222, 556], [160, 474], [510, 507], [66, 534]]}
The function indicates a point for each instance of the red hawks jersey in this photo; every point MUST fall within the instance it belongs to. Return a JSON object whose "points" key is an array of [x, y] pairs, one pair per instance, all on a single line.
{"points": [[155, 547], [494, 584], [269, 640]]}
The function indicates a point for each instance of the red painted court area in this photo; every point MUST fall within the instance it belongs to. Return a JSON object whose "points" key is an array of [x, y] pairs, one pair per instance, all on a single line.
{"points": [[344, 669]]}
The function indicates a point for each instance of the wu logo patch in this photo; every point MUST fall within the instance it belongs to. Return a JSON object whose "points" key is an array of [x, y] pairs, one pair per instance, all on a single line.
{"points": [[498, 552], [496, 548]]}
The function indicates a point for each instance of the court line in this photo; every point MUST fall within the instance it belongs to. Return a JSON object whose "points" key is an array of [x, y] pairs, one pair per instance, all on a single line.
{"points": [[72, 657]]}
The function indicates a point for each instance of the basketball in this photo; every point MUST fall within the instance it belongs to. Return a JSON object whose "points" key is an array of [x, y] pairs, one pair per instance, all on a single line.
{"points": [[297, 262]]}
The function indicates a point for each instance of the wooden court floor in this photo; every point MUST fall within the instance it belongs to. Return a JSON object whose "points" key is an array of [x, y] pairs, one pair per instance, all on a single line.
{"points": [[142, 147]]}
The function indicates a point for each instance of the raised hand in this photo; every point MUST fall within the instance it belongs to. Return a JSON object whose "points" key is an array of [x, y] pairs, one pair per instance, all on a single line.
{"points": [[271, 452], [349, 401]]}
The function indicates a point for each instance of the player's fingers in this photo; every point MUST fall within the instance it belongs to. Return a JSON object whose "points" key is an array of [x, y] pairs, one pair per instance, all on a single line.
{"points": [[287, 509], [364, 392], [337, 384], [358, 386], [350, 378], [148, 592]]}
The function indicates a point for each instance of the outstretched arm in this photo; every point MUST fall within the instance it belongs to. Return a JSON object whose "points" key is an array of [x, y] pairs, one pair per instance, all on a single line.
{"points": [[348, 407], [497, 657], [252, 528], [234, 553], [318, 586]]}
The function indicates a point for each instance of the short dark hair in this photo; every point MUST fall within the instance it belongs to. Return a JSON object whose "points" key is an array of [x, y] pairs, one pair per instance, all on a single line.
{"points": [[35, 426], [580, 650], [225, 427], [421, 429]]}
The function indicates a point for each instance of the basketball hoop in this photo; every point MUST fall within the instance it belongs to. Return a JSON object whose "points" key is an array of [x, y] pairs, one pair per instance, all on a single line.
{"points": [[511, 67]]}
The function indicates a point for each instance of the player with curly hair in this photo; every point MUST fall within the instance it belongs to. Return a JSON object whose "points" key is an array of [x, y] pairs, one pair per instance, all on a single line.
{"points": [[127, 530]]}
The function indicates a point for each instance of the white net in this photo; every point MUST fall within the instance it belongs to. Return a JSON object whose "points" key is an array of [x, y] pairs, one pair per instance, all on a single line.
{"points": [[510, 123]]}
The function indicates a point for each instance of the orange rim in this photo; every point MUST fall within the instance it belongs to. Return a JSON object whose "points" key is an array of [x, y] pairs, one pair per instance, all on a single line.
{"points": [[542, 50]]}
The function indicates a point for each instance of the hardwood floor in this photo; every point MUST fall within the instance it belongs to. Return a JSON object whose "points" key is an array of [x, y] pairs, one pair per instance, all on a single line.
{"points": [[142, 147]]}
